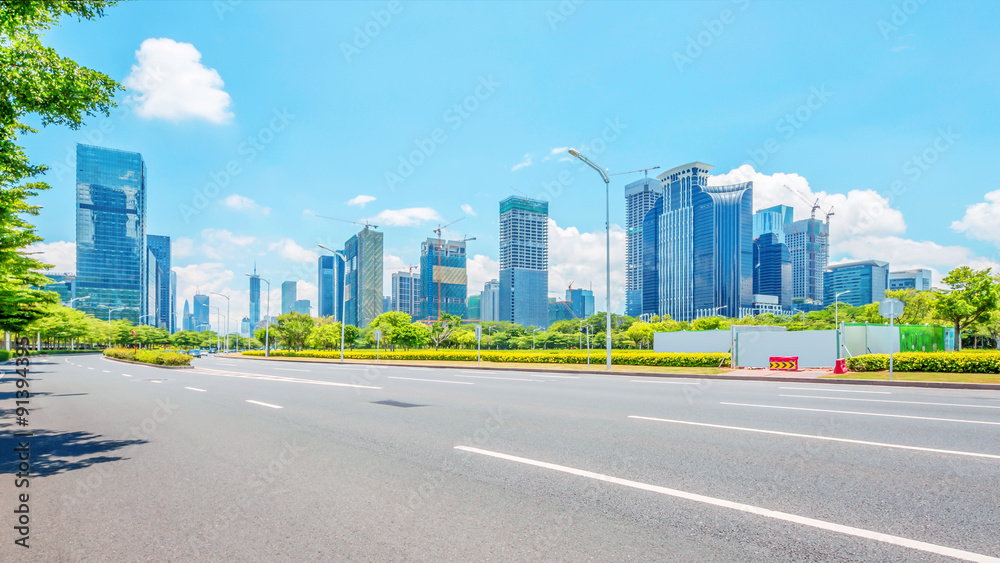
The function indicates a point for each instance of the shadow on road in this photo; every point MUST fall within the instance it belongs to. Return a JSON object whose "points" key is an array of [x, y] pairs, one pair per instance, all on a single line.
{"points": [[53, 453]]}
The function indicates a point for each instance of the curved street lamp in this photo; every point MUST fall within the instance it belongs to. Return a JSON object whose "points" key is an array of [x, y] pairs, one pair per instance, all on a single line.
{"points": [[226, 297]]}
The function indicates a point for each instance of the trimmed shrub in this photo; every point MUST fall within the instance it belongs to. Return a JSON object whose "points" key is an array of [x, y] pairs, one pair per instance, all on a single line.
{"points": [[951, 362], [4, 355], [154, 357], [622, 357]]}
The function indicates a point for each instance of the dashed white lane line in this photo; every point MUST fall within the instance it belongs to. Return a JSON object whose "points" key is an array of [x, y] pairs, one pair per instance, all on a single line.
{"points": [[767, 513], [195, 389], [292, 369], [265, 404], [828, 390], [891, 401], [156, 381], [558, 376], [106, 370], [667, 382], [90, 368], [433, 380], [863, 413], [815, 437], [491, 377], [126, 375]]}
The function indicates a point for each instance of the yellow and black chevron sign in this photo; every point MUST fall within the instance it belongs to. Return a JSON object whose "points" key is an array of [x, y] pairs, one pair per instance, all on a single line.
{"points": [[784, 365]]}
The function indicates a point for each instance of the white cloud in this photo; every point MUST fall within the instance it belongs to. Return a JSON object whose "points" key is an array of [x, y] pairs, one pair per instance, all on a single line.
{"points": [[181, 247], [361, 200], [240, 203], [290, 250], [523, 164], [409, 217], [558, 150], [392, 263], [467, 209], [982, 220], [308, 290], [61, 254], [481, 269], [220, 244], [580, 258], [169, 82]]}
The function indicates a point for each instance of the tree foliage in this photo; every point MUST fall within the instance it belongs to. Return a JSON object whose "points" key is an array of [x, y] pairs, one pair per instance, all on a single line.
{"points": [[970, 295]]}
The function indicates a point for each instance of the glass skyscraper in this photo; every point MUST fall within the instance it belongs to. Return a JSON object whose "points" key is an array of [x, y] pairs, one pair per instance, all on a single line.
{"points": [[200, 320], [524, 262], [331, 286], [363, 277], [640, 197], [651, 260], [406, 293], [808, 242], [581, 302], [288, 297], [772, 269], [111, 233], [254, 297], [489, 302], [159, 280], [443, 278], [866, 280]]}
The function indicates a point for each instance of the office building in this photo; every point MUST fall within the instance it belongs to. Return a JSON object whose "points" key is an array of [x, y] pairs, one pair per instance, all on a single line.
{"points": [[406, 293], [255, 296], [560, 311], [386, 304], [651, 261], [919, 279], [489, 302], [867, 282], [187, 319], [773, 220], [581, 302], [443, 278], [772, 270], [704, 246], [288, 297], [302, 306], [111, 233], [640, 197], [64, 285], [159, 279], [473, 308], [173, 302], [151, 293], [524, 262], [246, 327], [363, 277], [200, 313], [331, 287], [808, 242]]}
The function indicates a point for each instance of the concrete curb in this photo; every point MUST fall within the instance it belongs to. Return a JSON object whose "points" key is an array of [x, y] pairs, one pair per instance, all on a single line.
{"points": [[926, 384], [145, 364]]}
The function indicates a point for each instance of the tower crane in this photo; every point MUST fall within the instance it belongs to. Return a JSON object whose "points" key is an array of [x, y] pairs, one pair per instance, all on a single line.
{"points": [[645, 171], [366, 224], [814, 205]]}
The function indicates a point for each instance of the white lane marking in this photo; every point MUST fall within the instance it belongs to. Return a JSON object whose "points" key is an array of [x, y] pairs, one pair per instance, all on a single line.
{"points": [[670, 382], [265, 404], [558, 376], [126, 375], [828, 390], [815, 437], [90, 368], [767, 513], [156, 381], [863, 413], [891, 401], [195, 389], [278, 378], [106, 371], [291, 369], [491, 377], [433, 380]]}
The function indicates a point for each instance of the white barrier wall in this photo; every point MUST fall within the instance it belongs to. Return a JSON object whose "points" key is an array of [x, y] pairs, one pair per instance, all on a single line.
{"points": [[814, 348], [870, 339], [692, 342]]}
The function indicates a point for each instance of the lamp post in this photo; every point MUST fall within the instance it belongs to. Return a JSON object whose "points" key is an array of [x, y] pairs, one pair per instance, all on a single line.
{"points": [[803, 316], [836, 307], [533, 331], [607, 225], [218, 322], [109, 321], [490, 330], [343, 301], [226, 297], [267, 317]]}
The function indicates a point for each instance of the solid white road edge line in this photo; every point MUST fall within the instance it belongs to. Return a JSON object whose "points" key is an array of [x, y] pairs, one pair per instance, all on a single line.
{"points": [[767, 513], [490, 377], [291, 369], [828, 390], [432, 380], [812, 436], [670, 382], [265, 404], [278, 378], [195, 389], [891, 401], [863, 413]]}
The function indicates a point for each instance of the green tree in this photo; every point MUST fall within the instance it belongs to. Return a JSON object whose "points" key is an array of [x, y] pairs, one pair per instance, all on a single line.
{"points": [[325, 336], [413, 335], [709, 323], [35, 81], [259, 335], [442, 330], [918, 306], [294, 329], [185, 339], [641, 333], [970, 295]]}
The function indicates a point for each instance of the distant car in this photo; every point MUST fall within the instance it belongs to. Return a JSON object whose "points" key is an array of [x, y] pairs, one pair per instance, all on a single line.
{"points": [[195, 353], [213, 350]]}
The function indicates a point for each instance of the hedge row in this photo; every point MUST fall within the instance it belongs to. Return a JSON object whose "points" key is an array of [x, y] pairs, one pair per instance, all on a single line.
{"points": [[623, 357], [952, 362], [4, 355], [154, 357]]}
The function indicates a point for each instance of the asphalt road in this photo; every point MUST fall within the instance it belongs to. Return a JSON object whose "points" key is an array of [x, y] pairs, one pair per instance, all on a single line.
{"points": [[252, 460]]}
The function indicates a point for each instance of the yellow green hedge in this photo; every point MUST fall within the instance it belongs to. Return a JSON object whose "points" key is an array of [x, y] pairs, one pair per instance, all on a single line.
{"points": [[978, 361], [155, 357], [622, 357]]}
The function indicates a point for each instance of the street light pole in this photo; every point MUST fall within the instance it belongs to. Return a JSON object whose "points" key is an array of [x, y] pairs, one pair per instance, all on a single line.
{"points": [[343, 301], [607, 224], [227, 319], [533, 331], [836, 307], [218, 321], [109, 322]]}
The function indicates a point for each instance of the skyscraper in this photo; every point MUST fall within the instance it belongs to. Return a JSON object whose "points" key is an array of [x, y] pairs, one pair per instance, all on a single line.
{"points": [[200, 313], [331, 286], [866, 280], [159, 247], [651, 260], [640, 197], [246, 327], [772, 269], [254, 297], [443, 278], [288, 297], [187, 319], [473, 308], [808, 242], [704, 246], [386, 304], [363, 277], [111, 233], [489, 302], [524, 261], [301, 306], [581, 302], [406, 293]]}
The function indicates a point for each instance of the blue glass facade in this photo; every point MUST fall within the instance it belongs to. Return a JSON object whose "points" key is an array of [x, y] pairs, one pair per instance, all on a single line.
{"points": [[772, 269], [363, 277], [524, 262], [330, 284], [159, 247], [199, 315], [288, 296], [254, 297], [650, 260], [443, 261], [640, 197], [808, 241], [581, 302], [866, 281], [519, 288], [111, 232]]}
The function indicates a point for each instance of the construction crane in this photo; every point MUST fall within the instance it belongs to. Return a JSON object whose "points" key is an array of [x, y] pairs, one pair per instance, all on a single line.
{"points": [[828, 214], [438, 273], [645, 172], [814, 205], [366, 224]]}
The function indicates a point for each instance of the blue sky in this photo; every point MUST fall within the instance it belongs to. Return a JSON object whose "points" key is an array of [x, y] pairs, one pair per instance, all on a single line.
{"points": [[883, 110]]}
